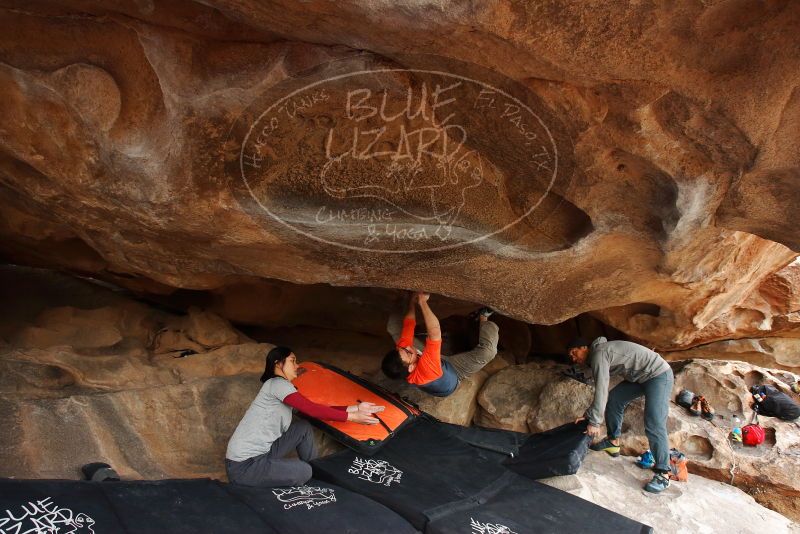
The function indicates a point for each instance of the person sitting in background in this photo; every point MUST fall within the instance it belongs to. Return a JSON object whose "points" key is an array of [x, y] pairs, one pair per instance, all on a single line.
{"points": [[266, 434], [427, 369]]}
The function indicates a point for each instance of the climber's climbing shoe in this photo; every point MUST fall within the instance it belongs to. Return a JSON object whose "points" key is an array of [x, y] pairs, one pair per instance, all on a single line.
{"points": [[606, 446]]}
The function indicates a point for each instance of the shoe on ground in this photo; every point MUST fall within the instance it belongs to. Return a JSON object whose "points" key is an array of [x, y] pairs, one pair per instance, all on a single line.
{"points": [[646, 460], [696, 406], [707, 410], [659, 483], [605, 445]]}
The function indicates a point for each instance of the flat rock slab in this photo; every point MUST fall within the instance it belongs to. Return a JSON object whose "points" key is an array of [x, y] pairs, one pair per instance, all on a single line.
{"points": [[616, 484]]}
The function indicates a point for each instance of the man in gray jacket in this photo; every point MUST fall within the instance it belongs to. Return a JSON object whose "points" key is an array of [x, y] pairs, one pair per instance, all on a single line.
{"points": [[646, 374]]}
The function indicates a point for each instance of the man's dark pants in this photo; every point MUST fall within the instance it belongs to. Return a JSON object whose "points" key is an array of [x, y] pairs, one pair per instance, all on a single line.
{"points": [[657, 393]]}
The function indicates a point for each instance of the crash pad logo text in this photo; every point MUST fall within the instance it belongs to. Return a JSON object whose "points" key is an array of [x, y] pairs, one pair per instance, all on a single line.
{"points": [[44, 517], [489, 528], [309, 496], [375, 471]]}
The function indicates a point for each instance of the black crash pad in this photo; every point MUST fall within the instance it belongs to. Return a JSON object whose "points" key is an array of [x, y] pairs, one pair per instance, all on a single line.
{"points": [[516, 505], [438, 481], [505, 443], [559, 451], [319, 507], [188, 506], [421, 467]]}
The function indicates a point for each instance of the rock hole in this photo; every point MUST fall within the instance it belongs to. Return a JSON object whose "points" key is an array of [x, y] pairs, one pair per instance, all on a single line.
{"points": [[753, 378], [769, 438], [698, 447]]}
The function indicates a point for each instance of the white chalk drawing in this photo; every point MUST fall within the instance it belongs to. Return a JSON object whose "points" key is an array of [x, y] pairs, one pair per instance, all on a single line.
{"points": [[395, 158], [310, 496], [428, 159], [489, 528], [45, 517], [375, 471]]}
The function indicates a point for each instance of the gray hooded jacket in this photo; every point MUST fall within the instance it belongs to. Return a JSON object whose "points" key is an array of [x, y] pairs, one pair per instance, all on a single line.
{"points": [[610, 358]]}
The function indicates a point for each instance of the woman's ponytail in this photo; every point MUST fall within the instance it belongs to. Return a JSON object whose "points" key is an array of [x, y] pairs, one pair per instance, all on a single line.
{"points": [[274, 357]]}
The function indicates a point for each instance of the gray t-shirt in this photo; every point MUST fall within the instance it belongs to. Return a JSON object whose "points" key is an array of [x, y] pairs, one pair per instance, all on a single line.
{"points": [[266, 420]]}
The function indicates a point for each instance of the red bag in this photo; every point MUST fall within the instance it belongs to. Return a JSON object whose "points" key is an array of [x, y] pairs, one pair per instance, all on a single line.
{"points": [[753, 434]]}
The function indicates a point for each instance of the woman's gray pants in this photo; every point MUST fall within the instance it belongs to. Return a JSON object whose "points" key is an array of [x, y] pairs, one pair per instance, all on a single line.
{"points": [[272, 469]]}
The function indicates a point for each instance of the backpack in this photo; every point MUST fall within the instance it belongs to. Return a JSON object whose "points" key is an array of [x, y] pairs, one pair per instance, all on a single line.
{"points": [[777, 404], [679, 466], [685, 398], [753, 434]]}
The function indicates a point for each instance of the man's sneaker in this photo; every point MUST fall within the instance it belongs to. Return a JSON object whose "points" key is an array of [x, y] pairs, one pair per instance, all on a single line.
{"points": [[607, 446], [646, 460], [659, 483]]}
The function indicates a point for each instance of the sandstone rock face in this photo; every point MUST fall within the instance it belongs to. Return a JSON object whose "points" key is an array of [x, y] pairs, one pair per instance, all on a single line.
{"points": [[78, 384], [547, 399], [159, 432], [117, 149], [771, 352]]}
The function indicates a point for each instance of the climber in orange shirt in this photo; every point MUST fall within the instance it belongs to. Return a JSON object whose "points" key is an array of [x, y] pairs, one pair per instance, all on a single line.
{"points": [[426, 368]]}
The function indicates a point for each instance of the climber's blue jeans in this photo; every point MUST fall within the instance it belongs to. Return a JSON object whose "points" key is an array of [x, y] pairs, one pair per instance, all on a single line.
{"points": [[657, 393]]}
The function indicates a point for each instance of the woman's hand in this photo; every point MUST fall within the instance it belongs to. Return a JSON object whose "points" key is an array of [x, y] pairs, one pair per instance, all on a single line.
{"points": [[365, 407], [369, 408], [361, 418]]}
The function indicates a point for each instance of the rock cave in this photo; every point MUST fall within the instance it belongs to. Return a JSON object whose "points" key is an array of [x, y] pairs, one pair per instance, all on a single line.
{"points": [[185, 185]]}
